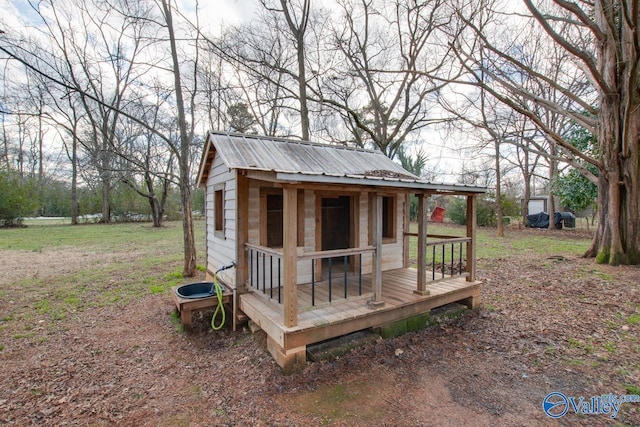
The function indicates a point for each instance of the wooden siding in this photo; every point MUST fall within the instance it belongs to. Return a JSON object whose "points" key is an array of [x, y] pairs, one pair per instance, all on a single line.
{"points": [[268, 266], [305, 172], [309, 221], [367, 261], [221, 246], [254, 213], [392, 252]]}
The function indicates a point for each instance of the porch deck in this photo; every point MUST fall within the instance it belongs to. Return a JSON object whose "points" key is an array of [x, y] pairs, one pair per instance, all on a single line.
{"points": [[342, 316]]}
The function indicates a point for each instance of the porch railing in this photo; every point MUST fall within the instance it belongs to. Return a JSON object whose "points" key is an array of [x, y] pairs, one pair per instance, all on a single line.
{"points": [[338, 261], [446, 256], [265, 271]]}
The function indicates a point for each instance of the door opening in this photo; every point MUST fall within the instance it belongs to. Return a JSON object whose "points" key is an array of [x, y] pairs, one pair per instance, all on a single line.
{"points": [[337, 232]]}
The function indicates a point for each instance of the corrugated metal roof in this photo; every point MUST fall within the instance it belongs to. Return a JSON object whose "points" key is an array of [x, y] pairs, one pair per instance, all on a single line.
{"points": [[293, 160], [288, 156]]}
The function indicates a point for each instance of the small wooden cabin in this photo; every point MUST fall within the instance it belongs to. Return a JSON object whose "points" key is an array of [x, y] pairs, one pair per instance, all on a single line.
{"points": [[320, 238]]}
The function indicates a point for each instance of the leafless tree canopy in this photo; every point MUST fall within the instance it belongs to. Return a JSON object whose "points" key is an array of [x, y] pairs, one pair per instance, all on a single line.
{"points": [[127, 88]]}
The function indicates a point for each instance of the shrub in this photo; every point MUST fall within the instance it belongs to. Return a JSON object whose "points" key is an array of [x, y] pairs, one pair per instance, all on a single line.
{"points": [[485, 213], [457, 211], [18, 198]]}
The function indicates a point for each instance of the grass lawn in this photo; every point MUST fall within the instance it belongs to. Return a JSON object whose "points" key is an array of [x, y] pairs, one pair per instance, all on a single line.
{"points": [[87, 266], [87, 338], [98, 237], [515, 243], [96, 265]]}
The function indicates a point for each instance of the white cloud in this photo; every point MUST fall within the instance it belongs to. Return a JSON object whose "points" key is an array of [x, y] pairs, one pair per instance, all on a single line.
{"points": [[221, 12]]}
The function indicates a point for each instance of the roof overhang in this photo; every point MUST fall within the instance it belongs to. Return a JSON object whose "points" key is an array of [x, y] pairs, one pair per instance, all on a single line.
{"points": [[205, 163], [359, 180], [396, 181]]}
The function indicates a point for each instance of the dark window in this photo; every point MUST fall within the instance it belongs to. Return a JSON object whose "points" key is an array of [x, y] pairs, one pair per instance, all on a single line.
{"points": [[388, 217], [218, 210]]}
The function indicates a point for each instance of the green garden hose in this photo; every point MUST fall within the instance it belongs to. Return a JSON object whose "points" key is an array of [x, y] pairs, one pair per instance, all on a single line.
{"points": [[220, 307]]}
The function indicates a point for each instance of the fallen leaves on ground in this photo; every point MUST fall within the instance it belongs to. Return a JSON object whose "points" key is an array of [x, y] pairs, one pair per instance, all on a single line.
{"points": [[548, 324]]}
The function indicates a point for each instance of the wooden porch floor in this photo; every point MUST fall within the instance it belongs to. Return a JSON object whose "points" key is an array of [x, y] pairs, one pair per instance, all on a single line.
{"points": [[343, 316]]}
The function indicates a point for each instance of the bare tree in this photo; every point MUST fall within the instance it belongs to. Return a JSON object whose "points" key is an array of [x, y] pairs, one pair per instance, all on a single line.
{"points": [[213, 87], [66, 115], [105, 100], [263, 64], [602, 38], [505, 126], [148, 164], [296, 14], [184, 152], [384, 85], [101, 58], [493, 126], [525, 158]]}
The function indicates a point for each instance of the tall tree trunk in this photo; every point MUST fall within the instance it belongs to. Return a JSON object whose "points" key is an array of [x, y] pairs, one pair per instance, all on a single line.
{"points": [[40, 142], [5, 142], [156, 214], [105, 176], [525, 201], [21, 138], [617, 239], [526, 175], [302, 86], [298, 29], [106, 208], [164, 196], [74, 178], [189, 269], [157, 208], [553, 172], [498, 190]]}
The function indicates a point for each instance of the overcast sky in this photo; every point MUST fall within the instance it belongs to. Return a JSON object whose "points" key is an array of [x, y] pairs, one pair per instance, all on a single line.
{"points": [[225, 12], [217, 14]]}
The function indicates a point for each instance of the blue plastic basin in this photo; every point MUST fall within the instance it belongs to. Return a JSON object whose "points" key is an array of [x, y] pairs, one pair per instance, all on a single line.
{"points": [[196, 290]]}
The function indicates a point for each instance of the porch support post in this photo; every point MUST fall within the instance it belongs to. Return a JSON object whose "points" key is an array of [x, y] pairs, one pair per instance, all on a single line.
{"points": [[377, 254], [422, 245], [406, 263], [242, 231], [290, 250], [471, 232]]}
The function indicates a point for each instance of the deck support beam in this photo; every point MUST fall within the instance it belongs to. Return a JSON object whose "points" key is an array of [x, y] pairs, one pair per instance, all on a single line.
{"points": [[292, 360], [422, 246], [472, 204], [289, 259], [345, 317], [376, 227]]}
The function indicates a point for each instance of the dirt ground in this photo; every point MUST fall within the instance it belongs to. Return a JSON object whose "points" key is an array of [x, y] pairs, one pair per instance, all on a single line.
{"points": [[548, 324]]}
